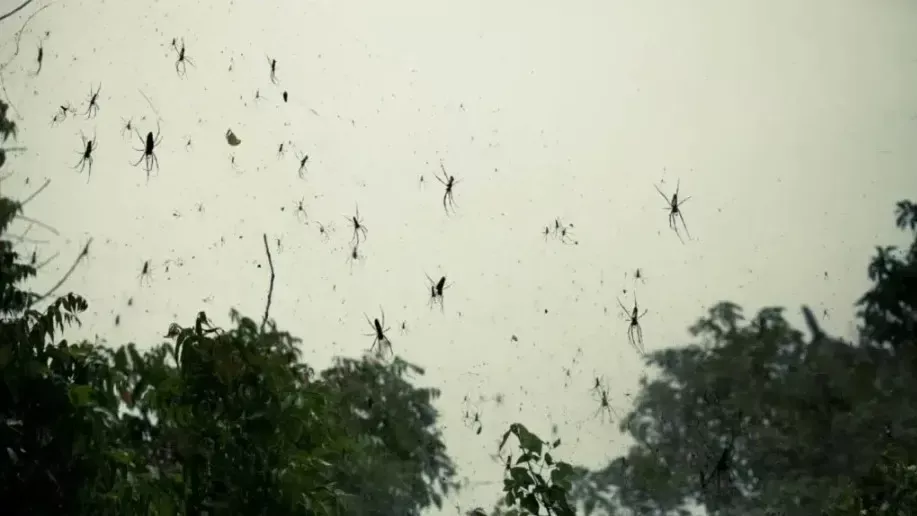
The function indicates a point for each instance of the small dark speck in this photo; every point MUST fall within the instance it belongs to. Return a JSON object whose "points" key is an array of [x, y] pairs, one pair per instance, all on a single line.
{"points": [[545, 310], [515, 338]]}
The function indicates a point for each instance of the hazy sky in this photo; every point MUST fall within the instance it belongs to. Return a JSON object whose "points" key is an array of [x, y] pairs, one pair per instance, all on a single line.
{"points": [[791, 124]]}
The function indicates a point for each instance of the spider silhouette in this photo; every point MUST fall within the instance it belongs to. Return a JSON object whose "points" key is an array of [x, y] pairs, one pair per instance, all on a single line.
{"points": [[61, 114], [354, 256], [471, 416], [449, 182], [358, 227], [303, 159], [634, 332], [182, 61], [146, 272], [86, 154], [382, 346], [273, 65], [301, 210], [148, 157], [436, 291], [127, 126], [93, 107], [674, 208], [605, 409]]}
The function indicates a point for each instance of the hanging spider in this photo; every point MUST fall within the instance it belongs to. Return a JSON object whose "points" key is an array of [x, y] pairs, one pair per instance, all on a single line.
{"points": [[93, 107], [280, 151], [634, 328], [565, 238], [358, 227], [146, 272], [148, 157], [286, 96], [181, 68], [547, 232], [674, 207], [303, 159], [605, 408], [436, 291], [472, 417], [127, 126], [449, 182], [404, 327], [86, 154], [638, 276], [61, 115], [324, 230], [301, 210], [382, 346], [273, 65], [354, 256], [41, 57]]}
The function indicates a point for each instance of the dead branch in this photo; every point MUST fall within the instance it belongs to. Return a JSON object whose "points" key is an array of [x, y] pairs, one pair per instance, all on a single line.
{"points": [[83, 254], [270, 289]]}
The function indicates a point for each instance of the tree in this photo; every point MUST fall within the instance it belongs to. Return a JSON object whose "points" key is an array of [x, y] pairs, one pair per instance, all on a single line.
{"points": [[757, 418], [211, 421]]}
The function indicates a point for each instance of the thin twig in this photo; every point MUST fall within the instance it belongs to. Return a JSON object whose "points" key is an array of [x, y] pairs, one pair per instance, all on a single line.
{"points": [[83, 254], [32, 222], [16, 52], [270, 289], [34, 194], [16, 10]]}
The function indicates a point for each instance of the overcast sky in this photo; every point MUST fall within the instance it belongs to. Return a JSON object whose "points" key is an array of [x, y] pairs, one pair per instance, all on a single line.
{"points": [[790, 124]]}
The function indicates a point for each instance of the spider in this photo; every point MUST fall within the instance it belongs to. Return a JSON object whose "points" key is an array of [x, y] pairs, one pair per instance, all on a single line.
{"points": [[181, 68], [547, 232], [86, 154], [358, 228], [93, 107], [285, 96], [634, 328], [324, 230], [301, 210], [61, 114], [303, 159], [146, 272], [149, 156], [127, 127], [605, 408], [472, 417], [674, 207], [404, 327], [449, 182], [436, 291], [273, 64], [564, 238], [638, 275], [354, 256], [280, 151], [41, 56], [382, 346]]}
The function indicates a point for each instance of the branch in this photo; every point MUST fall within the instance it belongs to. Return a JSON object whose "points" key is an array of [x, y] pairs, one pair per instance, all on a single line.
{"points": [[83, 254], [270, 289]]}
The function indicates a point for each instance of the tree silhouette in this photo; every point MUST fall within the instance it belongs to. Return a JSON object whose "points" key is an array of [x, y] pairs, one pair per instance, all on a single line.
{"points": [[760, 418], [211, 421]]}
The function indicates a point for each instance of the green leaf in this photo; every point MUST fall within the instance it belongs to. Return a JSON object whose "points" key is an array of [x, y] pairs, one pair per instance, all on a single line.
{"points": [[561, 474], [548, 459], [80, 395], [530, 503]]}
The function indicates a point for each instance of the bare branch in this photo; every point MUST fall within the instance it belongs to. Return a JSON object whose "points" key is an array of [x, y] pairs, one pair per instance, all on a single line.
{"points": [[270, 289], [83, 254]]}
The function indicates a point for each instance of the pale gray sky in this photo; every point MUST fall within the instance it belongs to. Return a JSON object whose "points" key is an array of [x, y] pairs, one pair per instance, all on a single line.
{"points": [[791, 124]]}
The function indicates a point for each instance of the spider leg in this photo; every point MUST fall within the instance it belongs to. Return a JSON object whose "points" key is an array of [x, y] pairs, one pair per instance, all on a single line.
{"points": [[626, 311], [664, 196], [685, 226], [639, 331]]}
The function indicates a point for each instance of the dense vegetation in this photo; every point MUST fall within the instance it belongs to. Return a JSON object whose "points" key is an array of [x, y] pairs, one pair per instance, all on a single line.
{"points": [[756, 417]]}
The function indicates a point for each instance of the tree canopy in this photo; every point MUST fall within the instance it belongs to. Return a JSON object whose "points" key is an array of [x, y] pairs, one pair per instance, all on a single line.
{"points": [[757, 417], [211, 421]]}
